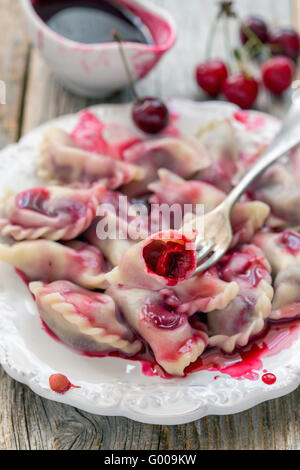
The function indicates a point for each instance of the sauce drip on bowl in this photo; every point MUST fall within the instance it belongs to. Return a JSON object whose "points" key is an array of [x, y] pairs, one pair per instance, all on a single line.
{"points": [[91, 21]]}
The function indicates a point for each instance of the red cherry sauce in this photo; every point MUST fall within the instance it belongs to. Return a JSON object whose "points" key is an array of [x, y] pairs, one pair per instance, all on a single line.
{"points": [[33, 199], [96, 136], [172, 130], [243, 363], [23, 276], [162, 316], [254, 273], [59, 383], [252, 270], [251, 122], [269, 379], [36, 200], [246, 363], [170, 260], [290, 240]]}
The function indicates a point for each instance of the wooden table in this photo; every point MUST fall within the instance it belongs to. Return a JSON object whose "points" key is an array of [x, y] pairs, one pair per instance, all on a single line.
{"points": [[34, 96]]}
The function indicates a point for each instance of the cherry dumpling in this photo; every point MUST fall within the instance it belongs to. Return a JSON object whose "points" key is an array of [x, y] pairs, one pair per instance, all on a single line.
{"points": [[281, 249], [175, 342], [286, 303], [46, 260], [62, 161], [183, 156], [54, 212], [86, 321], [245, 315]]}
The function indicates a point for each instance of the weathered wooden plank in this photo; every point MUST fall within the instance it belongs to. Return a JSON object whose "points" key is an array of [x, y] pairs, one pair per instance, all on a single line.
{"points": [[14, 56], [296, 23], [28, 421]]}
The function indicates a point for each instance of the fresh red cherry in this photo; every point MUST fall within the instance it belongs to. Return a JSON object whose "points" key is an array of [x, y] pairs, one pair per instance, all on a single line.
{"points": [[211, 75], [278, 74], [241, 89], [150, 115], [257, 26], [285, 41]]}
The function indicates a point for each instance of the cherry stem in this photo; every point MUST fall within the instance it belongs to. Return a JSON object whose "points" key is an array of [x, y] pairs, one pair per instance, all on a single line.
{"points": [[211, 37], [254, 40], [119, 40], [226, 8], [227, 41], [240, 62]]}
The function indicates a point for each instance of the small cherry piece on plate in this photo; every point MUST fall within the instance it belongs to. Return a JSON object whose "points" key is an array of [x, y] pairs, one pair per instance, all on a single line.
{"points": [[241, 89], [278, 74], [211, 75], [285, 41], [59, 383], [257, 26], [149, 114]]}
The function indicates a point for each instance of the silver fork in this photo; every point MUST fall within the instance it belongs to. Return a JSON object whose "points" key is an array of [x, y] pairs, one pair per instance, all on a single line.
{"points": [[217, 226]]}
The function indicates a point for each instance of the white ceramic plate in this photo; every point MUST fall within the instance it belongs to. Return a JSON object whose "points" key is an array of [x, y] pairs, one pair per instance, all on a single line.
{"points": [[112, 386]]}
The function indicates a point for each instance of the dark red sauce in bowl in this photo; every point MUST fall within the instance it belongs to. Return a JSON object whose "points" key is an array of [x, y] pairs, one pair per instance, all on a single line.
{"points": [[91, 21]]}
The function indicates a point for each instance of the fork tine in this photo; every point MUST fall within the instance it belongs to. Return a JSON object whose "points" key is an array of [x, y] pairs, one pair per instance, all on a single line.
{"points": [[205, 250], [208, 263]]}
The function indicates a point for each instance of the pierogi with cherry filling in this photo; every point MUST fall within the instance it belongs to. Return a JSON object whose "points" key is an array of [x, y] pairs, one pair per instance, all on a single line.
{"points": [[109, 279]]}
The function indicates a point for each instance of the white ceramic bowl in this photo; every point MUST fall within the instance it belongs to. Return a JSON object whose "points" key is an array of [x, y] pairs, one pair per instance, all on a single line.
{"points": [[96, 70]]}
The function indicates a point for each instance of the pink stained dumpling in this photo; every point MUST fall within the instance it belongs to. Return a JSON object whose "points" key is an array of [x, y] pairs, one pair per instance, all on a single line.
{"points": [[117, 227], [205, 292], [245, 315], [281, 249], [45, 260], [286, 303], [63, 162], [183, 156], [172, 189], [174, 341], [279, 188], [85, 320], [220, 142], [55, 213], [283, 252]]}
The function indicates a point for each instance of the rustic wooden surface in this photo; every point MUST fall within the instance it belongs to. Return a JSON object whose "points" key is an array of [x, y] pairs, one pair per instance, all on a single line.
{"points": [[34, 96]]}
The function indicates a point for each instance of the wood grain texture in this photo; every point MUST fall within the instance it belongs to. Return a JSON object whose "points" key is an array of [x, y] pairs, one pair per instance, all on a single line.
{"points": [[296, 21], [14, 57], [30, 422]]}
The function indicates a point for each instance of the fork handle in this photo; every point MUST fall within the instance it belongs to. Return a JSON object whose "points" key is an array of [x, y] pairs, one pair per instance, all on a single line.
{"points": [[285, 140]]}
